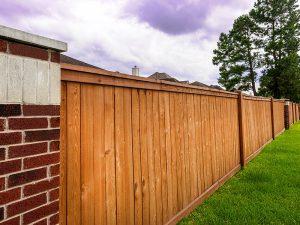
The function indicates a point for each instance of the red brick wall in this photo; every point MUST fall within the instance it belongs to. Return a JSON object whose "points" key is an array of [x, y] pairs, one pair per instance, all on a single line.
{"points": [[29, 164], [28, 51]]}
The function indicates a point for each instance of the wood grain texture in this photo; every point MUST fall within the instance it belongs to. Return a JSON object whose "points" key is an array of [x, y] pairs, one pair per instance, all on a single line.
{"points": [[63, 156], [73, 154], [136, 151]]}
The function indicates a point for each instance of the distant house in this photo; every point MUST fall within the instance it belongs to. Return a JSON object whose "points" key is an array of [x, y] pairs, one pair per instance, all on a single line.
{"points": [[216, 87], [163, 76], [167, 77], [199, 84], [69, 60]]}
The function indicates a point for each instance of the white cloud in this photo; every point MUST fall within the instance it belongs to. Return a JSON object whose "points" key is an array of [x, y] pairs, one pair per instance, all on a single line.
{"points": [[99, 33]]}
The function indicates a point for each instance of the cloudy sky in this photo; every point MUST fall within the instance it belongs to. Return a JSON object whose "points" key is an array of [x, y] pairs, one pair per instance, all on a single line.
{"points": [[172, 36]]}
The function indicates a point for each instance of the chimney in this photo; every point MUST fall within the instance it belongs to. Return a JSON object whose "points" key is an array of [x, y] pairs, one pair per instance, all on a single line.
{"points": [[135, 71]]}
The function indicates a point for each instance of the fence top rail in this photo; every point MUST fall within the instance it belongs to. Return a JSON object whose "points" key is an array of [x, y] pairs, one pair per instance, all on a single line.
{"points": [[83, 74], [256, 98], [279, 100]]}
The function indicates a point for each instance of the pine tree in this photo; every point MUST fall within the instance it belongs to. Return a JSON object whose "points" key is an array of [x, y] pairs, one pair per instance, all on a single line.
{"points": [[238, 56], [279, 22]]}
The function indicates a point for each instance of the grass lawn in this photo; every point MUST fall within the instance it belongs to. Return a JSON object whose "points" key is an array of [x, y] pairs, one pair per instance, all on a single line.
{"points": [[267, 191]]}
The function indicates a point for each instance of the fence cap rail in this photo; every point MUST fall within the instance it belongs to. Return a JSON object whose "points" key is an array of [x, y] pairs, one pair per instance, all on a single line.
{"points": [[95, 71]]}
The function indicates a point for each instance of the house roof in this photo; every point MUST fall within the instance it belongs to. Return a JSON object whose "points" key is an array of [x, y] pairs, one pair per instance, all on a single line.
{"points": [[72, 61], [199, 84], [216, 87], [162, 76]]}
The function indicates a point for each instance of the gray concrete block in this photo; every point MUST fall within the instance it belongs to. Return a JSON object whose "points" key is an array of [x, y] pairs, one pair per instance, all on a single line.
{"points": [[43, 83], [14, 93], [54, 78], [29, 81], [3, 78]]}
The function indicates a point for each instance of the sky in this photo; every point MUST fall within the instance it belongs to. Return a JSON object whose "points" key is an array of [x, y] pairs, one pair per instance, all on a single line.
{"points": [[172, 36]]}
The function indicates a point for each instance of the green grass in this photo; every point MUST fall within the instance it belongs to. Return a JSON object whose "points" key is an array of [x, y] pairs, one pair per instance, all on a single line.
{"points": [[267, 191]]}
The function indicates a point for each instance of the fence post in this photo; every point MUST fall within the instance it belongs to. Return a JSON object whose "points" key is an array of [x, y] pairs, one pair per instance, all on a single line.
{"points": [[241, 129], [272, 118], [286, 115]]}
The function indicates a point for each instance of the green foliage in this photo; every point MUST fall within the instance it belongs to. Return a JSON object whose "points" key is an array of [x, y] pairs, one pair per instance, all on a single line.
{"points": [[238, 56], [265, 192], [279, 19], [265, 41]]}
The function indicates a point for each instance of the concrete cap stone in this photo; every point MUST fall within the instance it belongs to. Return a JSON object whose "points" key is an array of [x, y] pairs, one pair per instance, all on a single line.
{"points": [[32, 39]]}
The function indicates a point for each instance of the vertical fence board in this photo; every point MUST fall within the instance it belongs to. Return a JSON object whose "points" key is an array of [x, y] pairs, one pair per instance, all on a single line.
{"points": [[99, 156], [157, 159], [173, 153], [73, 155], [168, 154], [87, 154], [120, 155], [144, 157], [110, 166], [138, 198], [152, 192], [63, 156], [129, 186], [163, 158]]}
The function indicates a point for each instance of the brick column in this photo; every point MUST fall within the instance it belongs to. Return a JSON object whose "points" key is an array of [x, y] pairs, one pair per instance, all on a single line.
{"points": [[29, 128], [286, 115]]}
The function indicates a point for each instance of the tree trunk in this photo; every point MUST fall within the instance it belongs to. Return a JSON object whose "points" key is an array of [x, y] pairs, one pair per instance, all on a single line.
{"points": [[252, 72]]}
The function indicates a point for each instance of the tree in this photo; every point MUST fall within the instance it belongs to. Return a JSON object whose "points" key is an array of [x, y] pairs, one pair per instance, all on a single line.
{"points": [[279, 22], [238, 56]]}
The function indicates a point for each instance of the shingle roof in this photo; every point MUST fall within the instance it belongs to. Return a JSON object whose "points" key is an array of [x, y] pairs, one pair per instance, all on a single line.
{"points": [[199, 84], [162, 76], [70, 60]]}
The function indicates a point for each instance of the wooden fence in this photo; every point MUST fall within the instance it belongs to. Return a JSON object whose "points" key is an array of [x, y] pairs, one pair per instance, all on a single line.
{"points": [[142, 151]]}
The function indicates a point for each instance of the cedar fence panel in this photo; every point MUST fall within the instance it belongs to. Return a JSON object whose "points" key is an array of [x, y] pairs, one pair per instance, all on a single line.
{"points": [[278, 116], [142, 151]]}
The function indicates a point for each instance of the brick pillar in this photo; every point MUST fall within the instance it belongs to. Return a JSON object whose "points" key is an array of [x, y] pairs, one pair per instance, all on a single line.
{"points": [[286, 115], [29, 127]]}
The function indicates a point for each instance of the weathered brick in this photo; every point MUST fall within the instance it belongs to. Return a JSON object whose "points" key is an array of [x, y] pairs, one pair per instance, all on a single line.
{"points": [[25, 205], [55, 122], [54, 170], [41, 212], [9, 196], [41, 186], [27, 123], [41, 222], [55, 57], [10, 166], [2, 124], [41, 160], [28, 51], [13, 221], [54, 146], [10, 138], [7, 110], [26, 177], [41, 135], [1, 213], [2, 154], [3, 46], [2, 183], [41, 110], [27, 150], [54, 219], [54, 194]]}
